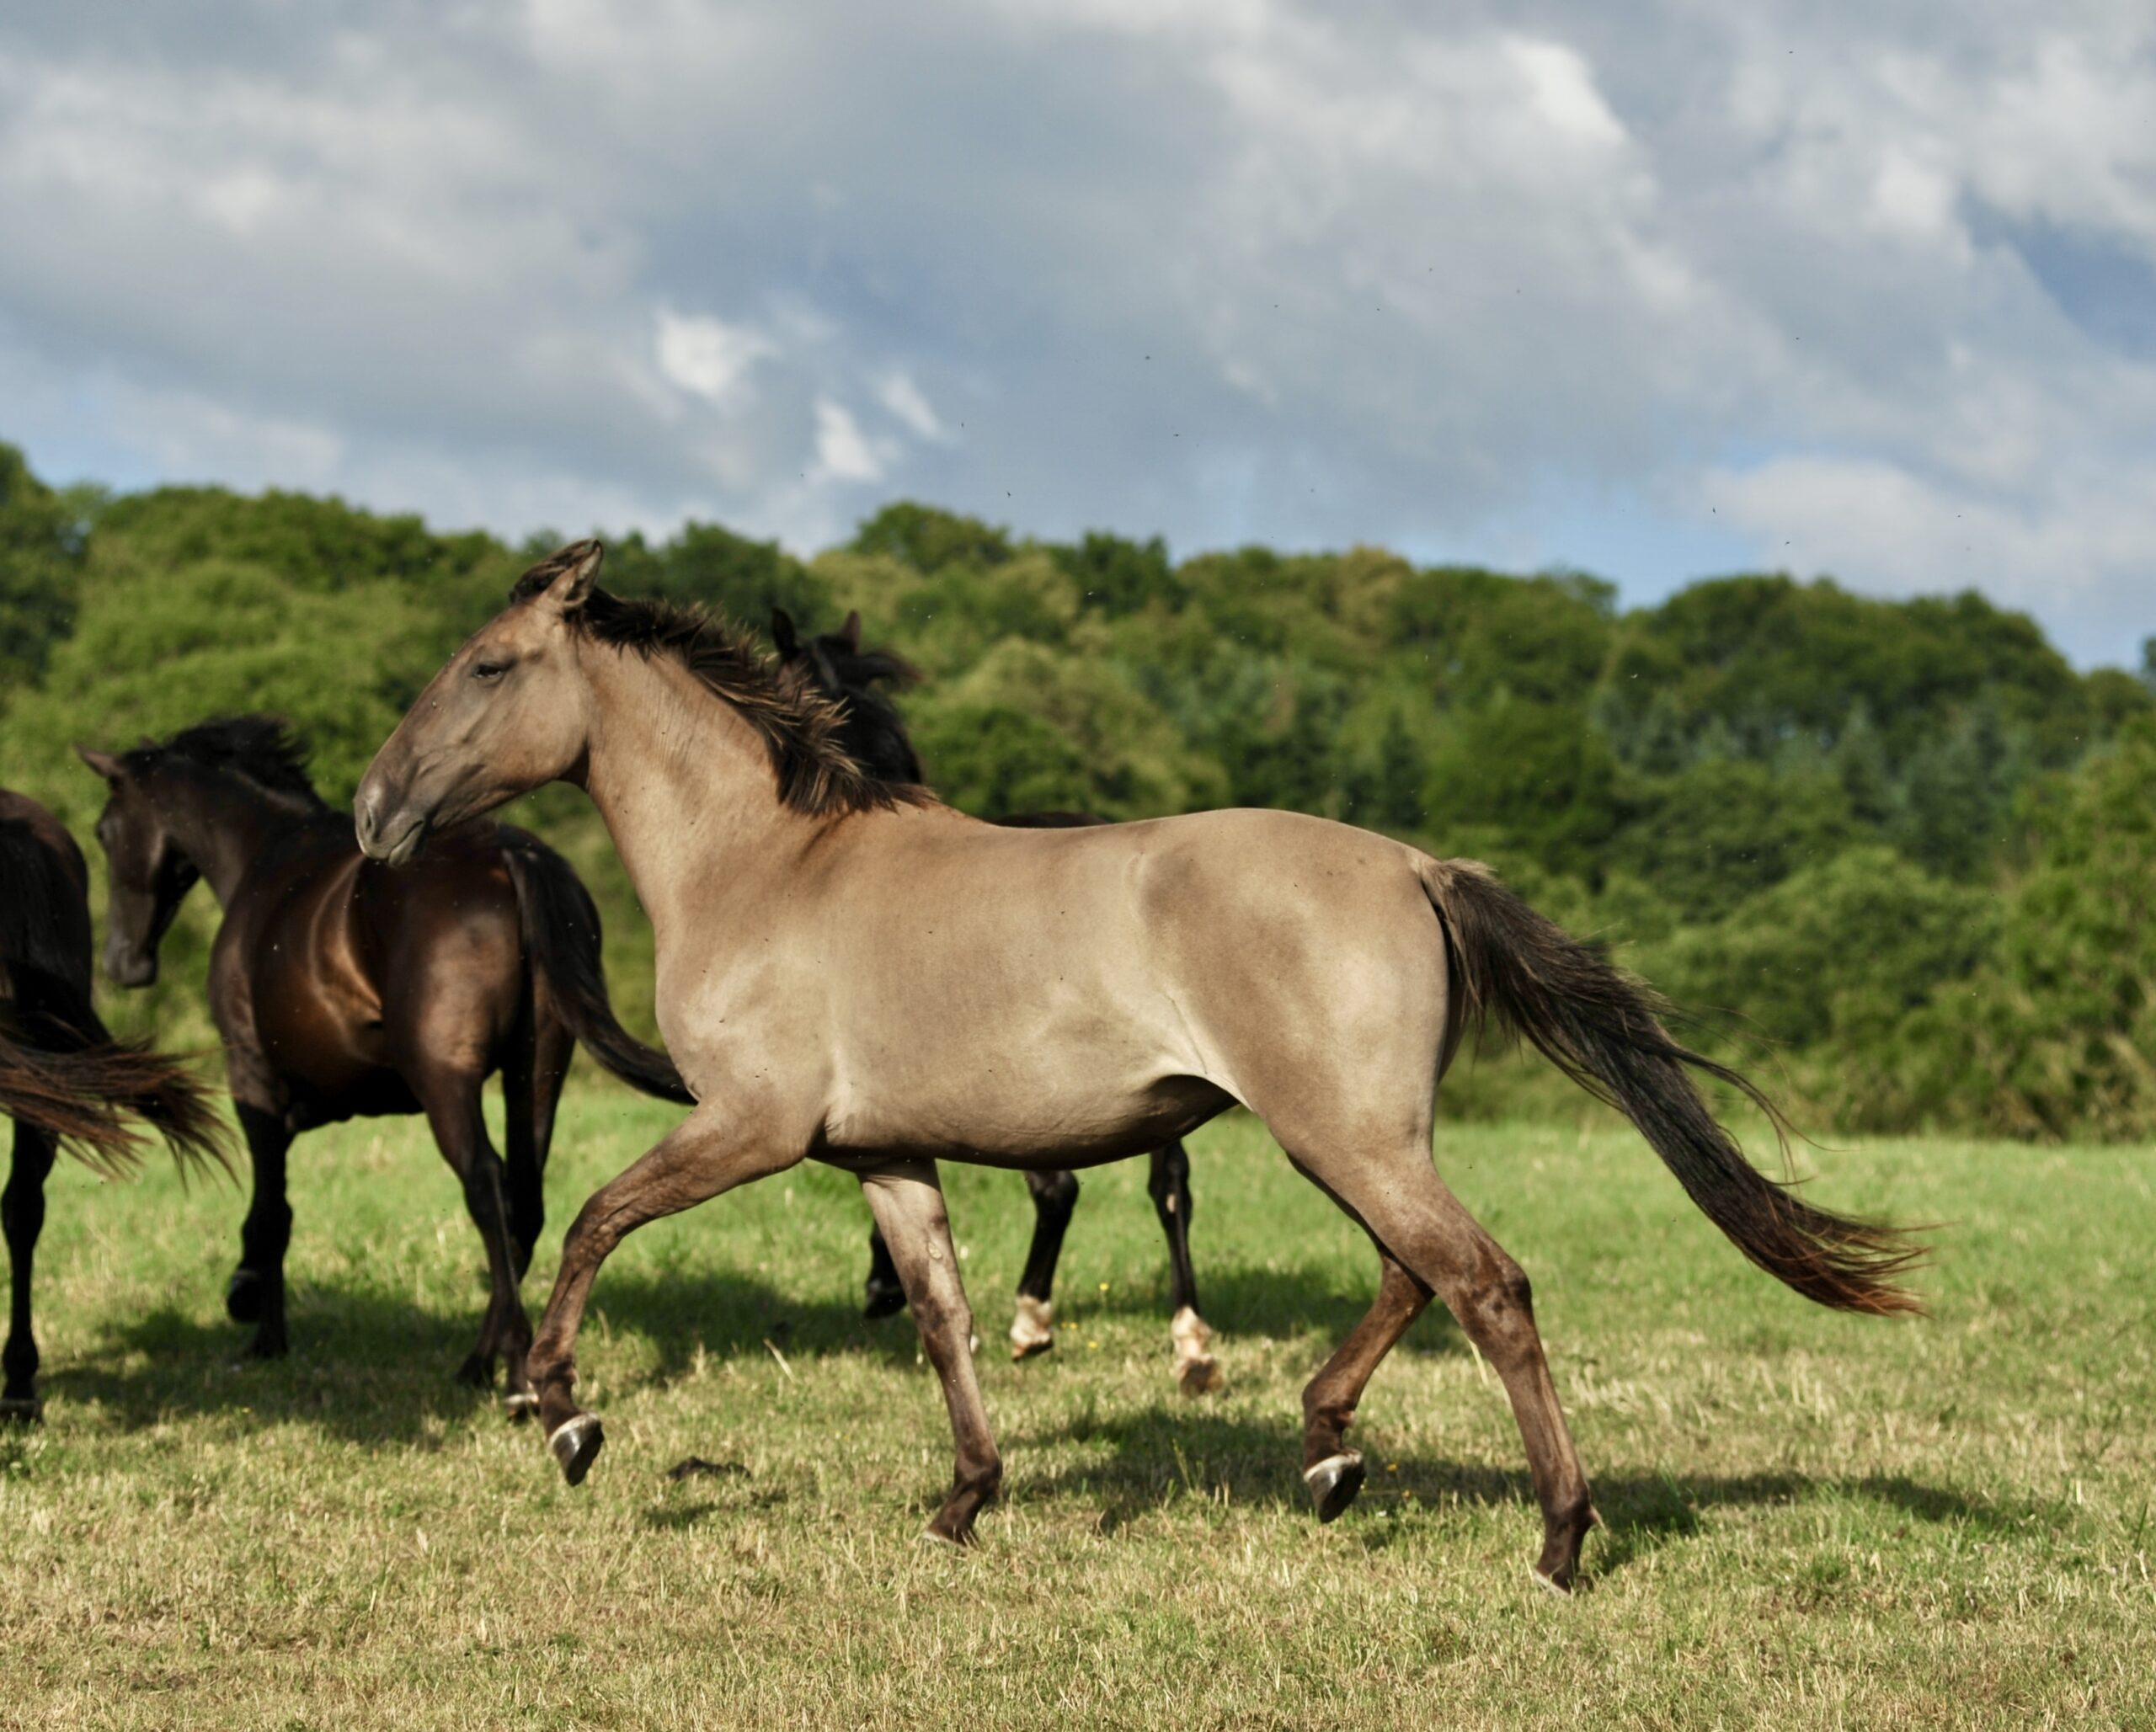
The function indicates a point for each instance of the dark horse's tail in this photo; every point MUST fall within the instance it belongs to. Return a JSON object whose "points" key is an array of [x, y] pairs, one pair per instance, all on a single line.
{"points": [[561, 934], [1603, 1031], [62, 1072]]}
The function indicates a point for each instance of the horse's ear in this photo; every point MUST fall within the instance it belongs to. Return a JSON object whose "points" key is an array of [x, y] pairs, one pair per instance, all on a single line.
{"points": [[105, 763], [783, 634], [850, 630], [561, 583]]}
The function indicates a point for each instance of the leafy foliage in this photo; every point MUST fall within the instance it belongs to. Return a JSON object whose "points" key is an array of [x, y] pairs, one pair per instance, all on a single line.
{"points": [[1904, 842]]}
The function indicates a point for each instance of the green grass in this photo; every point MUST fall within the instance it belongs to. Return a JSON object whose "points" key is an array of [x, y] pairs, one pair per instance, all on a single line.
{"points": [[1810, 1519]]}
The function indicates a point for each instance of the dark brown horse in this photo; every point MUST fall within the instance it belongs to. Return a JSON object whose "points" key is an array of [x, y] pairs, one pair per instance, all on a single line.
{"points": [[851, 973], [64, 1080], [833, 664], [341, 989]]}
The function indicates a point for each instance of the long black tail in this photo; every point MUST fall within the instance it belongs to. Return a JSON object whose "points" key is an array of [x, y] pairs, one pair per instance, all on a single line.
{"points": [[62, 1070], [1604, 1030], [561, 934]]}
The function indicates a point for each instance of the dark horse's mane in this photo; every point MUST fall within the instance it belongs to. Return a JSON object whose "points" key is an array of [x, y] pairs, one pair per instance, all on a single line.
{"points": [[802, 730], [263, 748]]}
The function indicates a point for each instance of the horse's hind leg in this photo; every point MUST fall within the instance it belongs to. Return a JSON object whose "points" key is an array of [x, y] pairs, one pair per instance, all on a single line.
{"points": [[22, 1211], [1421, 1225], [452, 1101], [533, 1069], [1332, 1471], [885, 1294], [1055, 1195], [1196, 1370], [909, 1205]]}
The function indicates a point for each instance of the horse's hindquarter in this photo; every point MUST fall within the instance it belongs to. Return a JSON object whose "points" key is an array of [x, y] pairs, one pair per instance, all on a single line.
{"points": [[1051, 998]]}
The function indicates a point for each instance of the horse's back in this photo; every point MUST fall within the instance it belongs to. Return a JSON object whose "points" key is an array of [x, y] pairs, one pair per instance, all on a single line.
{"points": [[1069, 968]]}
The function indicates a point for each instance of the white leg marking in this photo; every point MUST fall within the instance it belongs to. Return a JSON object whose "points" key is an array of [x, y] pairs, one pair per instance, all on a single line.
{"points": [[1030, 1333]]}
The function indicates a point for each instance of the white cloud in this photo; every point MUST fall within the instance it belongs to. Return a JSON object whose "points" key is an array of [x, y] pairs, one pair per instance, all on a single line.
{"points": [[842, 452], [707, 357], [898, 394], [1824, 279]]}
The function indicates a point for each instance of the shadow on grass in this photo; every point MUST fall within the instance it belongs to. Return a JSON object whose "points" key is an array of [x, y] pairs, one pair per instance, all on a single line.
{"points": [[1188, 1451], [377, 1368]]}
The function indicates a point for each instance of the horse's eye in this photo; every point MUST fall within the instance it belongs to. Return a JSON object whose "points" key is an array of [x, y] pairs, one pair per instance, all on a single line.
{"points": [[489, 670]]}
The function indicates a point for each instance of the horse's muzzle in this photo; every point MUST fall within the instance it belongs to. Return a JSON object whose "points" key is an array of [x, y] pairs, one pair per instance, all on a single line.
{"points": [[393, 838]]}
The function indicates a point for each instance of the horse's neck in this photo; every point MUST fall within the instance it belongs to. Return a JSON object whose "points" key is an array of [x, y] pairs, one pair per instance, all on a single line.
{"points": [[222, 824], [685, 787]]}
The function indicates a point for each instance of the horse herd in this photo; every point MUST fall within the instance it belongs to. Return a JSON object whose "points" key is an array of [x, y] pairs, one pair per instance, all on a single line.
{"points": [[847, 971]]}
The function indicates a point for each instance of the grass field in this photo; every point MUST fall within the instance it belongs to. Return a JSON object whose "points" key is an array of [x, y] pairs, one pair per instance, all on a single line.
{"points": [[1810, 1519]]}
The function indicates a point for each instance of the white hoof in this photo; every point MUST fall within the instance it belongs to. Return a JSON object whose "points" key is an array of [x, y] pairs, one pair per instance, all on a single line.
{"points": [[1196, 1370], [1030, 1333]]}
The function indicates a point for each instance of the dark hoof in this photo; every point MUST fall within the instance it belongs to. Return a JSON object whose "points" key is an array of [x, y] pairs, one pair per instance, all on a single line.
{"points": [[1559, 1567], [243, 1297], [1334, 1483], [1200, 1376], [884, 1301], [575, 1444], [478, 1372], [20, 1410], [268, 1346]]}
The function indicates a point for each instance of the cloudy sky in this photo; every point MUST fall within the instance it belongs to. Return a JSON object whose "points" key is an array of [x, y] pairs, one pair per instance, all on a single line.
{"points": [[1659, 290]]}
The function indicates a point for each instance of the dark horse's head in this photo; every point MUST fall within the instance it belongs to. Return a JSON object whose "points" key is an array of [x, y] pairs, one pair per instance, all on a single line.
{"points": [[834, 665], [152, 793]]}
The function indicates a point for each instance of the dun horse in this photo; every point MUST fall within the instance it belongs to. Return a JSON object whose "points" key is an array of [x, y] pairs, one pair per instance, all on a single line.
{"points": [[833, 664], [64, 1079], [340, 990], [851, 973]]}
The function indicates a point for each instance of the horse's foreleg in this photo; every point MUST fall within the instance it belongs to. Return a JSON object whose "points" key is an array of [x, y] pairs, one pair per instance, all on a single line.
{"points": [[909, 1205], [256, 1293], [1055, 1195], [704, 1156], [455, 1114], [1332, 1471], [21, 1211], [1196, 1370]]}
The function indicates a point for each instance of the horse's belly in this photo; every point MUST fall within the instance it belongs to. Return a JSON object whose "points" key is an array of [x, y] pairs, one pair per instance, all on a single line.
{"points": [[1039, 1125]]}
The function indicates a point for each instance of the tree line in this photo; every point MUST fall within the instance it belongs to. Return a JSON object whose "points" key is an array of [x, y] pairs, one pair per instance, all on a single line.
{"points": [[1906, 847]]}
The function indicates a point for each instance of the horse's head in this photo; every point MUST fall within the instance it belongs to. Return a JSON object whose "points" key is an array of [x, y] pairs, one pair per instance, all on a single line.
{"points": [[508, 713], [148, 871], [833, 664]]}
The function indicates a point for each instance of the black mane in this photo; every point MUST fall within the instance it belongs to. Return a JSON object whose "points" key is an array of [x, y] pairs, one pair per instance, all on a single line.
{"points": [[802, 730], [263, 748]]}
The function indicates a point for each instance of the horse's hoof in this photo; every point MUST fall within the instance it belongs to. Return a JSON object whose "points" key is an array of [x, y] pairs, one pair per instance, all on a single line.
{"points": [[519, 1404], [268, 1346], [1334, 1483], [1551, 1584], [20, 1410], [1030, 1329], [243, 1297], [576, 1442], [1200, 1376], [884, 1300], [478, 1372]]}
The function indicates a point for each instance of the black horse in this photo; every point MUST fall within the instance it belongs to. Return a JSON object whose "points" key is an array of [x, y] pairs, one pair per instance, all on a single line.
{"points": [[64, 1079], [342, 989], [835, 664]]}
